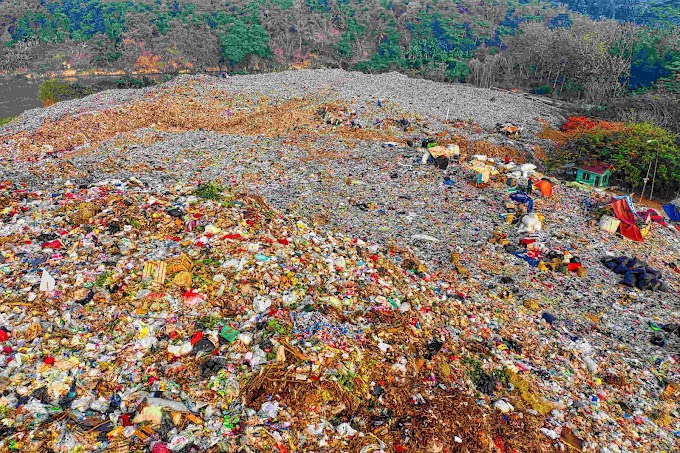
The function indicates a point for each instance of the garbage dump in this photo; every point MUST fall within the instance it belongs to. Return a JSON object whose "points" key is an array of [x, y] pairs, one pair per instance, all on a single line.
{"points": [[202, 270], [186, 318]]}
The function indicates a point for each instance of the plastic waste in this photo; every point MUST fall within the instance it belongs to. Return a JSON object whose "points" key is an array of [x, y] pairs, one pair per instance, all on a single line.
{"points": [[590, 364], [270, 409], [424, 237], [345, 430], [503, 406], [261, 304], [47, 282]]}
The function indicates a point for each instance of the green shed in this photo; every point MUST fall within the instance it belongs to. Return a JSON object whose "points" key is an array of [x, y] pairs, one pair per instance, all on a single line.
{"points": [[593, 175]]}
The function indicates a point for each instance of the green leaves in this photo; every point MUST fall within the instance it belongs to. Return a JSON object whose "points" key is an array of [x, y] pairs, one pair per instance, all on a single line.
{"points": [[4, 121], [454, 41], [389, 51], [242, 40], [209, 191], [59, 90], [345, 48]]}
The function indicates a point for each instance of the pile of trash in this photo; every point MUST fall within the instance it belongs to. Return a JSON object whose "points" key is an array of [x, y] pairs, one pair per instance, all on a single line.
{"points": [[205, 270], [190, 318], [534, 250], [335, 115], [439, 155], [636, 273]]}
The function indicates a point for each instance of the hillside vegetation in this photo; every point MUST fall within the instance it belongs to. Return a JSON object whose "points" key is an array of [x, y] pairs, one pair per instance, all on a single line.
{"points": [[631, 150], [536, 46]]}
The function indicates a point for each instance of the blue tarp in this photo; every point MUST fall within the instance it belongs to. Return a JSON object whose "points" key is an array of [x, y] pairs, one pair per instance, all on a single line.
{"points": [[521, 197], [672, 212], [533, 262]]}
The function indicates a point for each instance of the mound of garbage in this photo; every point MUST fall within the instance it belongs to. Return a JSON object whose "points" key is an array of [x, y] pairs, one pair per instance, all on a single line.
{"points": [[187, 318], [283, 264]]}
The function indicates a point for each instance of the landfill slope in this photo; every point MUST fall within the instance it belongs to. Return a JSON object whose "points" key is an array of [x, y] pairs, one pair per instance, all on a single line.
{"points": [[263, 262]]}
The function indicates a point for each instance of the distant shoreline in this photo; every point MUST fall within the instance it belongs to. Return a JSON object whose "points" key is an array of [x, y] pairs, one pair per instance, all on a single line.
{"points": [[96, 73]]}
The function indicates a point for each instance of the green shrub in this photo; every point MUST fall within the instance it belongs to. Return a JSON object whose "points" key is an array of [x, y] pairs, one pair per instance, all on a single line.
{"points": [[59, 90], [4, 121], [52, 90]]}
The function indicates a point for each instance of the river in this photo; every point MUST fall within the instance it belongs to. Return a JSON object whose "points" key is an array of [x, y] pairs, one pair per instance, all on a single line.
{"points": [[18, 94]]}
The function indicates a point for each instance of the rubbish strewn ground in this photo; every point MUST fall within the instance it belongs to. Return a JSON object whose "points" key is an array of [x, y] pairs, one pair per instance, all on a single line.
{"points": [[292, 278]]}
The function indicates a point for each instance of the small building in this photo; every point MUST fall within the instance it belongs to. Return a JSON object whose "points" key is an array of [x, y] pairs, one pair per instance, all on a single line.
{"points": [[596, 175]]}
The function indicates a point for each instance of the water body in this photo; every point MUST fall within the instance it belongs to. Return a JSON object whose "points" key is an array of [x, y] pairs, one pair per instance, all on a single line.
{"points": [[18, 94]]}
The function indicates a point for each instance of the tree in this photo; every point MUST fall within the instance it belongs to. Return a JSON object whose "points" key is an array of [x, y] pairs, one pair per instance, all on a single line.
{"points": [[195, 43], [105, 51], [243, 40], [588, 60]]}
